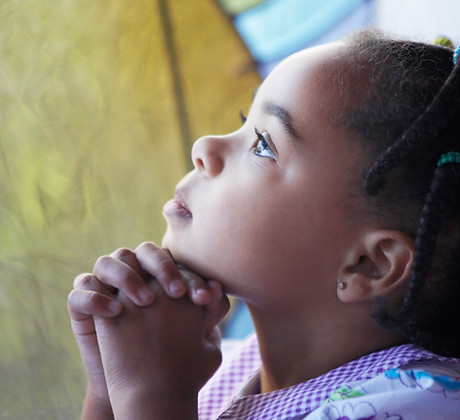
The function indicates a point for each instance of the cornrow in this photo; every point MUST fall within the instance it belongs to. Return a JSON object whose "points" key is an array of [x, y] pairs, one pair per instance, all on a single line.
{"points": [[411, 116]]}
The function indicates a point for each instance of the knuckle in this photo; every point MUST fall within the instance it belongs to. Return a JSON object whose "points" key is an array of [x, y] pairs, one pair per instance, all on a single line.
{"points": [[146, 246], [101, 263], [103, 259], [82, 281], [127, 283], [165, 263], [94, 299], [122, 253], [166, 274]]}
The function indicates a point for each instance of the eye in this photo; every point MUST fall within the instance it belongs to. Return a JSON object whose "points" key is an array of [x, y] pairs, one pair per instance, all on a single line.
{"points": [[262, 147]]}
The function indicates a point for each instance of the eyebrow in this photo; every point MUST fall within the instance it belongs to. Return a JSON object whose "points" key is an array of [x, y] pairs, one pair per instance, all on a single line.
{"points": [[284, 118]]}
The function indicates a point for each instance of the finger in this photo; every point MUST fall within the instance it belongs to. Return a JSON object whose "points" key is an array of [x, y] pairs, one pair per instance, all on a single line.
{"points": [[218, 307], [97, 295], [116, 273], [88, 281], [87, 303], [159, 263], [197, 289], [214, 337], [129, 258]]}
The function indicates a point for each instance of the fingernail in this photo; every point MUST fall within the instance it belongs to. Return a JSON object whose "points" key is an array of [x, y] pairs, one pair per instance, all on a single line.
{"points": [[203, 295], [215, 287], [202, 292], [145, 295], [114, 307], [176, 287]]}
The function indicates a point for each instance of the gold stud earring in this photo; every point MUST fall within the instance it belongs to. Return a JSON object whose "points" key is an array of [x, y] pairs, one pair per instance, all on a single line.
{"points": [[342, 285]]}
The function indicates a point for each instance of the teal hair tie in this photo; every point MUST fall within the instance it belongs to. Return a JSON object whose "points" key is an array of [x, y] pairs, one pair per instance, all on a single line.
{"points": [[456, 54], [451, 157]]}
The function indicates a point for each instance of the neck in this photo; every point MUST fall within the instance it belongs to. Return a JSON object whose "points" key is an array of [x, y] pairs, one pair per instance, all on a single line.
{"points": [[295, 349]]}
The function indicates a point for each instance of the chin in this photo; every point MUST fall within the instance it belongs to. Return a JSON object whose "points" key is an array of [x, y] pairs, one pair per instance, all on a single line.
{"points": [[204, 266], [188, 259], [185, 259]]}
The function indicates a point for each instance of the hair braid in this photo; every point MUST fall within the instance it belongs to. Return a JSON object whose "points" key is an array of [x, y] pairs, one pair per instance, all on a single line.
{"points": [[414, 97], [420, 134], [426, 321]]}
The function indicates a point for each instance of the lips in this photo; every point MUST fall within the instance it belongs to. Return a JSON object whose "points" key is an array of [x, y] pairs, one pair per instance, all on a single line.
{"points": [[179, 198], [177, 207]]}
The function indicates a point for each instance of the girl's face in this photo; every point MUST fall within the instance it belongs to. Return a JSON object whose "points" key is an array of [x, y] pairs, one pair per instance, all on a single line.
{"points": [[268, 209]]}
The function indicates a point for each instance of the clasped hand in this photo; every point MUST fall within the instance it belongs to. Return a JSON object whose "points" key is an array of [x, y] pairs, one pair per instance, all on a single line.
{"points": [[147, 333]]}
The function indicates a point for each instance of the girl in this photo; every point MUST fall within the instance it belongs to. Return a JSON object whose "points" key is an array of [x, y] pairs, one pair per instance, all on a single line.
{"points": [[333, 213]]}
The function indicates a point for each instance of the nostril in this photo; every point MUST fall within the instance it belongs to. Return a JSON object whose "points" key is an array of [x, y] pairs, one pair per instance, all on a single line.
{"points": [[199, 164], [197, 154], [207, 155]]}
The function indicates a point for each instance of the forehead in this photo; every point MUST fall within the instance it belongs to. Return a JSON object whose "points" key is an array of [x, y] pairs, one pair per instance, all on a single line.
{"points": [[309, 85]]}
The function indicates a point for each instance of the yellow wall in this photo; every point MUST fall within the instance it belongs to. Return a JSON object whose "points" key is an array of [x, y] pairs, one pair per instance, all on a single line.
{"points": [[90, 149]]}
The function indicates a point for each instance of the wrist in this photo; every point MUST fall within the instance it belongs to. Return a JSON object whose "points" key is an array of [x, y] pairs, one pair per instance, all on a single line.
{"points": [[96, 409]]}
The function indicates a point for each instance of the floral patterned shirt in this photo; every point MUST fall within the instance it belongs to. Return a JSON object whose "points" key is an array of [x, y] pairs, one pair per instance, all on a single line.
{"points": [[399, 383]]}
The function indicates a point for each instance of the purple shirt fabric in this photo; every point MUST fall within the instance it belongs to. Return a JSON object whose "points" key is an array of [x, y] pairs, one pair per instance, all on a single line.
{"points": [[220, 399]]}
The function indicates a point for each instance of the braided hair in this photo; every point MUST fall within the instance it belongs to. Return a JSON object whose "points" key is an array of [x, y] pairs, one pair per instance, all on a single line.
{"points": [[409, 117]]}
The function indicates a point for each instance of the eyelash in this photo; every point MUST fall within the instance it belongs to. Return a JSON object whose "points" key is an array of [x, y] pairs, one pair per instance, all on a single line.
{"points": [[261, 147], [242, 117], [256, 149]]}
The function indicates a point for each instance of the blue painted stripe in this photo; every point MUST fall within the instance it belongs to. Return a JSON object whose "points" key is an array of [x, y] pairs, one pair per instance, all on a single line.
{"points": [[276, 28]]}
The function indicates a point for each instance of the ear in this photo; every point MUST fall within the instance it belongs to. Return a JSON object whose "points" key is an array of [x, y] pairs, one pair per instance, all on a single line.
{"points": [[377, 264]]}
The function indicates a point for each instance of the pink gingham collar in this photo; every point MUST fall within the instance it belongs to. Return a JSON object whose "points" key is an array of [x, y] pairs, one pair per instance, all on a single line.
{"points": [[229, 394]]}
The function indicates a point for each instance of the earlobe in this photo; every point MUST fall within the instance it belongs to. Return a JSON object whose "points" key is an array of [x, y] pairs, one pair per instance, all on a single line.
{"points": [[378, 265]]}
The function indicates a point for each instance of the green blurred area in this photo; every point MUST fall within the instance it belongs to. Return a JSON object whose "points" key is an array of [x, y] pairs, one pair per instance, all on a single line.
{"points": [[233, 7], [90, 149]]}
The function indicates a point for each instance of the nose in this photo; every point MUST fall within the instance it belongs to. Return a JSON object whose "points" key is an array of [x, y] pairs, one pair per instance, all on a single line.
{"points": [[208, 155]]}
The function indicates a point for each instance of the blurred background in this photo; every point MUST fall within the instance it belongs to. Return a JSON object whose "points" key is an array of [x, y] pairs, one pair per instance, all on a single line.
{"points": [[99, 105]]}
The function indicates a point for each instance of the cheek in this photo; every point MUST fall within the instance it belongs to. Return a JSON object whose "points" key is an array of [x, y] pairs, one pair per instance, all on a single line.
{"points": [[227, 232], [249, 239]]}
